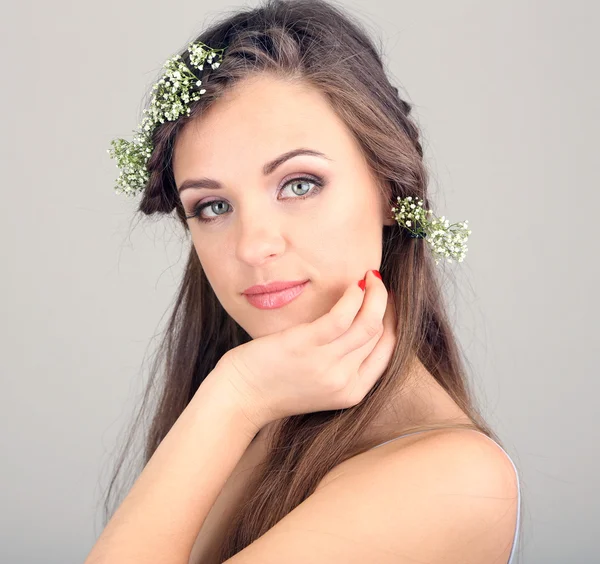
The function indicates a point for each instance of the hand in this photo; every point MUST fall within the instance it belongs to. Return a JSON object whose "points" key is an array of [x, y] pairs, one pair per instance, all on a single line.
{"points": [[330, 363]]}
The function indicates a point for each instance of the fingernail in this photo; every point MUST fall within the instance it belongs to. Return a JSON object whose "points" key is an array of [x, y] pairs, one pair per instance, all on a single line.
{"points": [[361, 284], [376, 273]]}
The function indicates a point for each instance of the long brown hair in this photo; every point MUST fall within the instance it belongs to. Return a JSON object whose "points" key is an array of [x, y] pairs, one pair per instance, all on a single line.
{"points": [[316, 43]]}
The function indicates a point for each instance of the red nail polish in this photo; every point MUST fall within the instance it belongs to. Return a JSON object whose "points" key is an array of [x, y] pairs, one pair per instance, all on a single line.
{"points": [[376, 273], [361, 284]]}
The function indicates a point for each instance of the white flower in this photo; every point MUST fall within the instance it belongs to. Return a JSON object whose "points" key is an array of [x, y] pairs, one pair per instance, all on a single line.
{"points": [[172, 94], [445, 240]]}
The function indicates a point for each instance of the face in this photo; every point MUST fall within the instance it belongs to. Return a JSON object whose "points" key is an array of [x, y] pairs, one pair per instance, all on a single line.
{"points": [[315, 218]]}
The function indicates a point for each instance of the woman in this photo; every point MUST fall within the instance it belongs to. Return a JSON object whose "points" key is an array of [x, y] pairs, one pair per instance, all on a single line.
{"points": [[257, 461]]}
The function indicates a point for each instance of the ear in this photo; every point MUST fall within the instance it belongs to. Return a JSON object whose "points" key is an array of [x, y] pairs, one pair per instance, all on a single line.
{"points": [[387, 214], [386, 209], [390, 221]]}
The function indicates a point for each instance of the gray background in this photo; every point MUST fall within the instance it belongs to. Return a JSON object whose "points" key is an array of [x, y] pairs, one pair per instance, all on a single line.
{"points": [[506, 93]]}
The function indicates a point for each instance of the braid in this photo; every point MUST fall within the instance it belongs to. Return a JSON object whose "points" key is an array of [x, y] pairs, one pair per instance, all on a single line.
{"points": [[408, 125]]}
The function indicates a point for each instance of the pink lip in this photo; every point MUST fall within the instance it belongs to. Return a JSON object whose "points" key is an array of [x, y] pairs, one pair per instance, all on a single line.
{"points": [[273, 300], [273, 286]]}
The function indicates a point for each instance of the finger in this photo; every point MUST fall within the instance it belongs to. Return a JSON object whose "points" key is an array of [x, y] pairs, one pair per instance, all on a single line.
{"points": [[368, 323], [375, 359], [376, 362], [339, 318]]}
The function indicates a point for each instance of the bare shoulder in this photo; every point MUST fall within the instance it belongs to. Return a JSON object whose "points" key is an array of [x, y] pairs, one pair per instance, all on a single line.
{"points": [[425, 448], [453, 485], [463, 451], [447, 497]]}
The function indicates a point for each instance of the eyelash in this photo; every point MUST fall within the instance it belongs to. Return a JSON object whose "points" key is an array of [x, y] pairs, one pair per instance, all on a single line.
{"points": [[316, 180]]}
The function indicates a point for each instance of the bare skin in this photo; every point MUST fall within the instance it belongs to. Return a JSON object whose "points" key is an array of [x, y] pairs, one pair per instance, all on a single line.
{"points": [[424, 402], [264, 231]]}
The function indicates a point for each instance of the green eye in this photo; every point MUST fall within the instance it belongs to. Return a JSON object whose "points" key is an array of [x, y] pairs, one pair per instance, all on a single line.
{"points": [[314, 180]]}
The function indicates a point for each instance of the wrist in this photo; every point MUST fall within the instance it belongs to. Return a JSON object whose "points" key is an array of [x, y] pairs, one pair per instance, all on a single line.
{"points": [[223, 390]]}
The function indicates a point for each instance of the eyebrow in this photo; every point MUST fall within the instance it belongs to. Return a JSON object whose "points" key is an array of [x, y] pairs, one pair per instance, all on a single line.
{"points": [[268, 168]]}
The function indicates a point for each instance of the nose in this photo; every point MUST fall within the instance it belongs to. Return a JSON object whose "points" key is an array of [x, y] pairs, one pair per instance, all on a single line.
{"points": [[258, 238]]}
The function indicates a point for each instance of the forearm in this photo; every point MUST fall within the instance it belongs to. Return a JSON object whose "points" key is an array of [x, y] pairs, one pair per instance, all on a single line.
{"points": [[163, 513]]}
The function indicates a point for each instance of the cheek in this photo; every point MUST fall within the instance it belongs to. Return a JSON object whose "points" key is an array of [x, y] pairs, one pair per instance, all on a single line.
{"points": [[346, 224], [210, 263], [351, 236]]}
